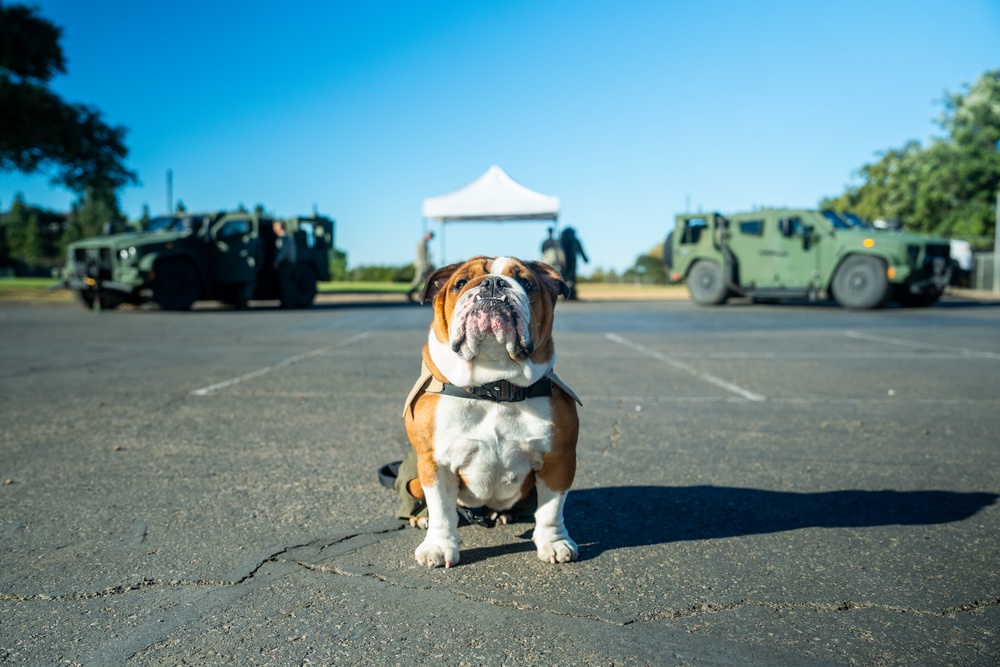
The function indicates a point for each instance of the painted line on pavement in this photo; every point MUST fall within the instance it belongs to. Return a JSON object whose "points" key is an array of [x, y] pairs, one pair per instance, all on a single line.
{"points": [[965, 352], [212, 388], [680, 365]]}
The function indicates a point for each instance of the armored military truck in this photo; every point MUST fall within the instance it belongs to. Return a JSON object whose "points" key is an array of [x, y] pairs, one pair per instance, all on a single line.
{"points": [[179, 259], [774, 254]]}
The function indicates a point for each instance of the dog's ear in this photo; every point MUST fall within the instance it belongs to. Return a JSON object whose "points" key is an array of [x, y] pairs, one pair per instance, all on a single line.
{"points": [[551, 279], [438, 280]]}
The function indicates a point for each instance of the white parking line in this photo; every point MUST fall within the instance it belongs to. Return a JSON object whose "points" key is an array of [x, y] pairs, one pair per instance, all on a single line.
{"points": [[212, 388], [680, 365], [965, 352]]}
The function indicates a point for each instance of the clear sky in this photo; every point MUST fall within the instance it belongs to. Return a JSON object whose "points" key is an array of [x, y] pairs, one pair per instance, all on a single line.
{"points": [[629, 111]]}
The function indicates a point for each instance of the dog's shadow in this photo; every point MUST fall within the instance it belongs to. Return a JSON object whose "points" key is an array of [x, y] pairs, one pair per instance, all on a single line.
{"points": [[609, 518]]}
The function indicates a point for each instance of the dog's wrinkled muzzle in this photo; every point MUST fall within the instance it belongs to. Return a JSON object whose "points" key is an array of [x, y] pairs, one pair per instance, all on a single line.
{"points": [[493, 310]]}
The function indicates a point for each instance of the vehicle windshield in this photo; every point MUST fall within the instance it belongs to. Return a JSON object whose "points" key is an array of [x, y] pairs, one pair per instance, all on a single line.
{"points": [[845, 220], [184, 224]]}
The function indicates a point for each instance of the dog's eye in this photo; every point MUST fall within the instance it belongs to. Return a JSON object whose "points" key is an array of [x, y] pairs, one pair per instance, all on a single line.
{"points": [[528, 286], [460, 283]]}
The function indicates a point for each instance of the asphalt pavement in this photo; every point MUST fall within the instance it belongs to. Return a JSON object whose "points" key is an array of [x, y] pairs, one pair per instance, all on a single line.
{"points": [[757, 485]]}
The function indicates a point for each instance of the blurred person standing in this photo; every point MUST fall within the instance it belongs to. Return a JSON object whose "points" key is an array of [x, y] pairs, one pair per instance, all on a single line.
{"points": [[571, 247], [284, 263], [422, 267], [552, 253]]}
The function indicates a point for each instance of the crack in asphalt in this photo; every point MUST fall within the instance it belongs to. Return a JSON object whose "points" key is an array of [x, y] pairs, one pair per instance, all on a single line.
{"points": [[201, 583], [699, 609], [691, 611], [707, 608], [615, 438]]}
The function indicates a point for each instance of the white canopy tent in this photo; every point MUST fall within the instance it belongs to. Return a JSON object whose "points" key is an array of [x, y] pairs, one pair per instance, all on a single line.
{"points": [[493, 197]]}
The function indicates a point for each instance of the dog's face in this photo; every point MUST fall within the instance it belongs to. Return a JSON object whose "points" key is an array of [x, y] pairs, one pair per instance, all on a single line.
{"points": [[496, 312]]}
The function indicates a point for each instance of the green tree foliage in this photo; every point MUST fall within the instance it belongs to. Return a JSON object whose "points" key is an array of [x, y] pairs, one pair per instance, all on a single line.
{"points": [[648, 269], [145, 218], [948, 188], [38, 130], [30, 238], [338, 264], [18, 230], [601, 275], [382, 274], [95, 214]]}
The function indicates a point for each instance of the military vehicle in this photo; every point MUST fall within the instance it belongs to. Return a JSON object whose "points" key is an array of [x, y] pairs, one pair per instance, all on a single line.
{"points": [[774, 254], [179, 259]]}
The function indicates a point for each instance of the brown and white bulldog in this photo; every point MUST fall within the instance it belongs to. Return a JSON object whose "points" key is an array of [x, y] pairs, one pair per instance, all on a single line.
{"points": [[489, 420]]}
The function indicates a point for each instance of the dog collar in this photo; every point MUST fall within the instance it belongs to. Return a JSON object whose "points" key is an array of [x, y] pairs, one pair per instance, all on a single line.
{"points": [[500, 391]]}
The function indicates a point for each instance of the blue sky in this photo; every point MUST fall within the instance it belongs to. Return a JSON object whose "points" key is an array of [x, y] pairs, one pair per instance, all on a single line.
{"points": [[628, 111]]}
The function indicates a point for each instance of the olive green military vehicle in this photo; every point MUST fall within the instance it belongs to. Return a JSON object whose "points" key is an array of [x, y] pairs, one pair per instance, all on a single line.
{"points": [[179, 259], [775, 254]]}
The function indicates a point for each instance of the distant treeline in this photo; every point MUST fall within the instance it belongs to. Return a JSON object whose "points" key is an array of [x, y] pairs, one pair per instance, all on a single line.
{"points": [[946, 188]]}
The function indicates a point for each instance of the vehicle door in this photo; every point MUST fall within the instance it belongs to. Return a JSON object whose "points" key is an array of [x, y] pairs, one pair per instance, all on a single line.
{"points": [[774, 251], [692, 239], [234, 249]]}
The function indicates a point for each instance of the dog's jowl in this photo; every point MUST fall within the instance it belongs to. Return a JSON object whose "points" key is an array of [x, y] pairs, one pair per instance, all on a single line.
{"points": [[488, 419]]}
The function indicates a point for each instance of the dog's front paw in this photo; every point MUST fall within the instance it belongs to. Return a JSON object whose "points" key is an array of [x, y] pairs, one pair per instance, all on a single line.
{"points": [[559, 551], [437, 553]]}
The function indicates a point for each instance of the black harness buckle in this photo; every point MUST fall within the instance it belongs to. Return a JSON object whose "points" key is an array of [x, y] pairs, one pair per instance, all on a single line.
{"points": [[503, 391], [500, 391]]}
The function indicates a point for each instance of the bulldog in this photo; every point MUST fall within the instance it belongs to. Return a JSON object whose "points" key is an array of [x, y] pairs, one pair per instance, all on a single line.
{"points": [[488, 418]]}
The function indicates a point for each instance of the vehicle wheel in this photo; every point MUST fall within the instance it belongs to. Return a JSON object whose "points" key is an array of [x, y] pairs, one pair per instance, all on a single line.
{"points": [[175, 286], [706, 285], [911, 300], [239, 295], [303, 291], [861, 283], [244, 294], [108, 300], [86, 298]]}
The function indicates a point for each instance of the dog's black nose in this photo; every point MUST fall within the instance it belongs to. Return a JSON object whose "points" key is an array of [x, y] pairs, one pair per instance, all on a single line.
{"points": [[492, 286]]}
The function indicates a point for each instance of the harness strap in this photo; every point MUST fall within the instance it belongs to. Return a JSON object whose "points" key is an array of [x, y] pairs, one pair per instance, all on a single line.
{"points": [[500, 391]]}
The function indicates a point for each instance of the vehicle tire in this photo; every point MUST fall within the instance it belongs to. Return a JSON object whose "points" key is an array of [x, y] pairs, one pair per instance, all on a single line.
{"points": [[861, 283], [706, 285], [175, 286], [86, 298], [303, 287], [239, 296], [108, 300], [911, 300]]}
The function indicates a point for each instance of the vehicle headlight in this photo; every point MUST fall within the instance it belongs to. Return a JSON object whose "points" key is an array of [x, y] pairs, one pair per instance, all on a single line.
{"points": [[127, 253]]}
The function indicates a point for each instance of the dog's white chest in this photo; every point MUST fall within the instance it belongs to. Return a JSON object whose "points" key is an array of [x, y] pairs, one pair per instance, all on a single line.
{"points": [[491, 446]]}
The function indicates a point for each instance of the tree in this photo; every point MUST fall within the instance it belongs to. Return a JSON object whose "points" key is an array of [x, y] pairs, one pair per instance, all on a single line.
{"points": [[31, 242], [96, 213], [15, 225], [338, 264], [145, 218], [25, 239], [39, 130], [948, 188], [648, 269]]}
